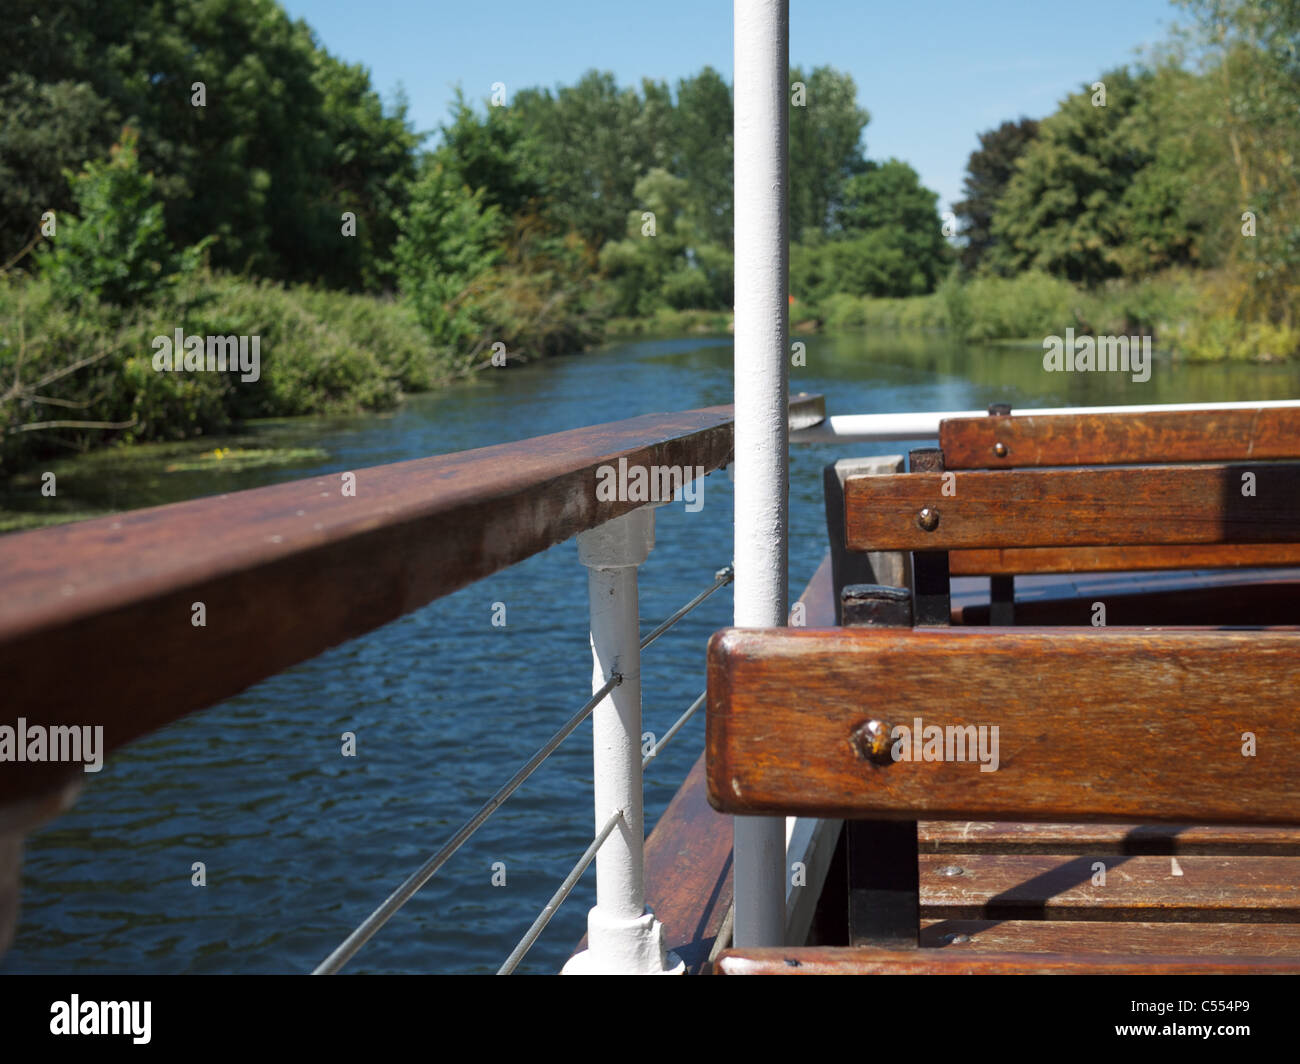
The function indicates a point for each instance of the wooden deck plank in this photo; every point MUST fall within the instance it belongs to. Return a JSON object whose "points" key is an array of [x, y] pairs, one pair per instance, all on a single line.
{"points": [[1129, 937], [688, 871], [1190, 888], [1143, 724], [955, 837], [826, 960], [1118, 439]]}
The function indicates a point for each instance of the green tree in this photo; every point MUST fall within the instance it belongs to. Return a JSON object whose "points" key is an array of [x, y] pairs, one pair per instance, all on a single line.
{"points": [[585, 139], [889, 196], [448, 238], [825, 146], [1249, 52], [1167, 211], [490, 154], [887, 240], [1063, 211], [45, 129], [368, 170], [289, 137], [987, 172], [704, 155], [670, 265]]}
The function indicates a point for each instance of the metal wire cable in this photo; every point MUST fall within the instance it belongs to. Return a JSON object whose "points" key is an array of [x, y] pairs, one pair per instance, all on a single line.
{"points": [[674, 729], [366, 930], [350, 945], [720, 579], [557, 899]]}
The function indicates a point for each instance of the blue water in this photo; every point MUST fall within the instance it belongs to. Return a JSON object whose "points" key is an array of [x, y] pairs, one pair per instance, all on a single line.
{"points": [[300, 843]]}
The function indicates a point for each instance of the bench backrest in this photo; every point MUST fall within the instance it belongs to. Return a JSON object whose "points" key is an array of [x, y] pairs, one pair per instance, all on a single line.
{"points": [[1065, 724], [1000, 508]]}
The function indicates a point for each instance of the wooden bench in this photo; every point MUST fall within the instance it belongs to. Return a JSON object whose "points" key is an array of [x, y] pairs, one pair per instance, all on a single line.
{"points": [[1244, 436], [1124, 730]]}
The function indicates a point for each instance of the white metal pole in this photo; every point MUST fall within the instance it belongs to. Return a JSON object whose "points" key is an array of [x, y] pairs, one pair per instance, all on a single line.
{"points": [[762, 62], [622, 937]]}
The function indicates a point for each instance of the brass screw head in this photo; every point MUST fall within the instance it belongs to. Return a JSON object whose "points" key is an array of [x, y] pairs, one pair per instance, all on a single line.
{"points": [[927, 520], [871, 742], [1000, 449]]}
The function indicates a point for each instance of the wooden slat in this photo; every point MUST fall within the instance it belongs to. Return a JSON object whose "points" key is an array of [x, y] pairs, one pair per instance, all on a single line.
{"points": [[1116, 439], [827, 960], [95, 617], [1017, 560], [957, 837], [1106, 723], [1190, 888], [1146, 505], [1129, 937]]}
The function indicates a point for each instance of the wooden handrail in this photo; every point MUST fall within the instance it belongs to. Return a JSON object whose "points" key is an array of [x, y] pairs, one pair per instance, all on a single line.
{"points": [[96, 618]]}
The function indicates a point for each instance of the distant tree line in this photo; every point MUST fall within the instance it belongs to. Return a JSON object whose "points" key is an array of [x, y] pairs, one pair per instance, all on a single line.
{"points": [[259, 140], [177, 162], [1189, 162]]}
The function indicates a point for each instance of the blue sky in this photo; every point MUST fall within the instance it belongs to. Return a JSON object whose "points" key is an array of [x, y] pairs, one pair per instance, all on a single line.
{"points": [[932, 73]]}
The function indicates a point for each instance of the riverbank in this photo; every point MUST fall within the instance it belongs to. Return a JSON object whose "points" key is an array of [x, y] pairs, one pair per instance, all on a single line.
{"points": [[84, 378], [81, 376], [1191, 316], [613, 381], [85, 375]]}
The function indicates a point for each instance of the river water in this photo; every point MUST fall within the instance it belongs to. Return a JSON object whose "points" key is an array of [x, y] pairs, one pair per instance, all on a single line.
{"points": [[300, 843]]}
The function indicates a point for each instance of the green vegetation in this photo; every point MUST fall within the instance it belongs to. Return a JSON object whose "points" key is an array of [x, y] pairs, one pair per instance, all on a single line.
{"points": [[153, 474], [222, 174], [1171, 206], [87, 368]]}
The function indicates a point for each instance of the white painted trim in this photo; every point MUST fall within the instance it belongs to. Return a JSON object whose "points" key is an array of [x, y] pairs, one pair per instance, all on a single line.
{"points": [[623, 938], [812, 842], [924, 425]]}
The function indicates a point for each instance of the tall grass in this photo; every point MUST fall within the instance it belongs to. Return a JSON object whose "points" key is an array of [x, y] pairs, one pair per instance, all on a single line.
{"points": [[1196, 316]]}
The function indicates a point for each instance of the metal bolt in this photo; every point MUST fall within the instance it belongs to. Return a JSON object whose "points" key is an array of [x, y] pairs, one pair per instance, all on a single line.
{"points": [[1000, 449], [956, 939], [951, 870], [928, 520], [871, 742]]}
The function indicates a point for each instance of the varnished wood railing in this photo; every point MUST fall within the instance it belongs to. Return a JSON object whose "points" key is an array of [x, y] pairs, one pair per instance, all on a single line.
{"points": [[96, 618]]}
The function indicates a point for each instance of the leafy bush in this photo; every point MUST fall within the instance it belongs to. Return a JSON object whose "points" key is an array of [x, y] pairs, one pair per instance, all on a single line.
{"points": [[1029, 305], [319, 352], [117, 250], [844, 313]]}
